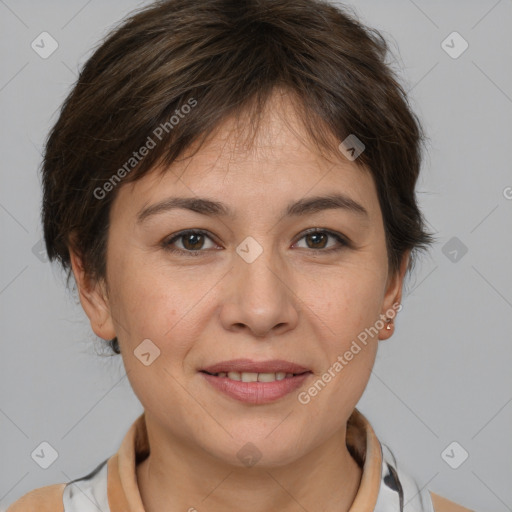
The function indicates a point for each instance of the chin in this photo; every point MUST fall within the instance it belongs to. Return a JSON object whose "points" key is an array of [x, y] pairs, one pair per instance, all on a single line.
{"points": [[259, 450]]}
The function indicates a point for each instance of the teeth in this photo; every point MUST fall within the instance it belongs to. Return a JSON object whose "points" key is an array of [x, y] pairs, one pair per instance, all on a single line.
{"points": [[249, 377], [255, 377], [266, 377]]}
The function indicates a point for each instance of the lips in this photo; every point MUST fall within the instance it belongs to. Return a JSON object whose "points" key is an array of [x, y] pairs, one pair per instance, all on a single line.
{"points": [[255, 382], [249, 366]]}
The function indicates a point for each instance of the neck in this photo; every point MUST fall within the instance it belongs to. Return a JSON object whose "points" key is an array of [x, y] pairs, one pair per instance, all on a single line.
{"points": [[181, 477]]}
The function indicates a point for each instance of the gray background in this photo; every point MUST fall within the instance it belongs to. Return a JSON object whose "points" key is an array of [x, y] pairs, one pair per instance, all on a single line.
{"points": [[444, 376]]}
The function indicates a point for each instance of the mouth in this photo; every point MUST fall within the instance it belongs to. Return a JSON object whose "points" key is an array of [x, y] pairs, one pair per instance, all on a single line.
{"points": [[274, 366], [255, 376], [255, 382]]}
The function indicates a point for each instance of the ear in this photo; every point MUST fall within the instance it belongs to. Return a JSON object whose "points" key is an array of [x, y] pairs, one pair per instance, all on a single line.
{"points": [[393, 297], [94, 299]]}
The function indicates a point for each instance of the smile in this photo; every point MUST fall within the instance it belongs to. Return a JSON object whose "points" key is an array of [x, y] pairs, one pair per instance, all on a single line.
{"points": [[254, 377], [255, 382]]}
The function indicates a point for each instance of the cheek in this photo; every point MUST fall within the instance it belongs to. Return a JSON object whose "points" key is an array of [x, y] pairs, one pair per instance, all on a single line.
{"points": [[349, 302], [349, 307], [151, 306], [161, 304]]}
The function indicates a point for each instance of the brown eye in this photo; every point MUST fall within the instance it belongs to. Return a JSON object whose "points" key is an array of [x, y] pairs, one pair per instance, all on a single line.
{"points": [[192, 243], [318, 239]]}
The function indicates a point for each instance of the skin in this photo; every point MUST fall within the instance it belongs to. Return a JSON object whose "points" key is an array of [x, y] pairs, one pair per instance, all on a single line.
{"points": [[295, 302]]}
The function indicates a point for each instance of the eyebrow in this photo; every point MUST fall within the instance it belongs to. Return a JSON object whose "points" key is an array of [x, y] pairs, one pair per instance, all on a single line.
{"points": [[210, 207]]}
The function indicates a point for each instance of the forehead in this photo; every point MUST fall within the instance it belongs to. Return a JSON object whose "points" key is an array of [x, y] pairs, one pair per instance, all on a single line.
{"points": [[240, 162]]}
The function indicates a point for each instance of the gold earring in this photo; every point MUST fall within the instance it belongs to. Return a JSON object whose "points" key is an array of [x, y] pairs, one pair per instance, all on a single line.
{"points": [[389, 325]]}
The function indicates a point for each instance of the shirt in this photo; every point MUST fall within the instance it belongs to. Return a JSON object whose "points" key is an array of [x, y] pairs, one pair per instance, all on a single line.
{"points": [[112, 486]]}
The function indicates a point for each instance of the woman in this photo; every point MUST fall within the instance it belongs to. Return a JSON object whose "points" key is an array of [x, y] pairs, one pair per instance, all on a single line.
{"points": [[232, 186]]}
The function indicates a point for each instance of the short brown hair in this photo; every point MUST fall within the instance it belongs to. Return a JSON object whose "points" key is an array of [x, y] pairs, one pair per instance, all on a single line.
{"points": [[227, 56]]}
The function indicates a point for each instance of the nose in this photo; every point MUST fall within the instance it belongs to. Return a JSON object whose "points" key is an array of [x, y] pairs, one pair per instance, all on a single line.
{"points": [[259, 297]]}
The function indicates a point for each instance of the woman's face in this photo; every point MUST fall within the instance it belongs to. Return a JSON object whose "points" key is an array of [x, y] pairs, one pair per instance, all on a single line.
{"points": [[258, 287]]}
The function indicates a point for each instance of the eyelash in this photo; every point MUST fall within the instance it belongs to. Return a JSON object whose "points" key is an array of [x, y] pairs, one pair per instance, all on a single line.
{"points": [[168, 247]]}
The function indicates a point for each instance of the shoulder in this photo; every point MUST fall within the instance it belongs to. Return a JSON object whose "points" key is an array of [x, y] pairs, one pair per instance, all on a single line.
{"points": [[63, 496], [396, 481], [43, 499], [443, 505]]}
